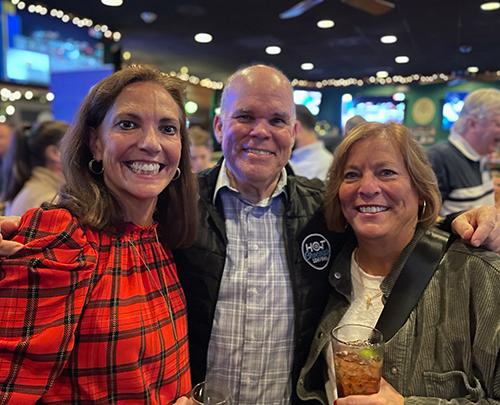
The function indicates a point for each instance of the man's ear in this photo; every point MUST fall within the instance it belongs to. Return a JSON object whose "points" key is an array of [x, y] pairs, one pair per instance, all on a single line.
{"points": [[217, 124], [95, 144]]}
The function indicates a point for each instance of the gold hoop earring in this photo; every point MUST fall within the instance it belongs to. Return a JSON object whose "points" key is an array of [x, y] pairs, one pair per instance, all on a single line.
{"points": [[92, 167]]}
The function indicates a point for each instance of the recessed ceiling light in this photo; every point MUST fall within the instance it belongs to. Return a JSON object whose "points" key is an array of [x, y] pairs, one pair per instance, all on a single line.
{"points": [[325, 24], [273, 50], [203, 38], [490, 6], [401, 59], [388, 39], [307, 66], [382, 74], [112, 3], [472, 69]]}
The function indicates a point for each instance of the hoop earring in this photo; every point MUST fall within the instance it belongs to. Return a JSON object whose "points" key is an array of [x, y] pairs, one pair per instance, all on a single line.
{"points": [[424, 205], [96, 170], [177, 174]]}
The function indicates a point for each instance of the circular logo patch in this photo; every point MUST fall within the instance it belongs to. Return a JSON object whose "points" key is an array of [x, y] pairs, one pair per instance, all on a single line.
{"points": [[316, 251]]}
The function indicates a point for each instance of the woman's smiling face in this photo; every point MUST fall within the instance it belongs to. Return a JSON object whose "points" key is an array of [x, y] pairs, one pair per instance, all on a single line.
{"points": [[377, 196], [139, 144]]}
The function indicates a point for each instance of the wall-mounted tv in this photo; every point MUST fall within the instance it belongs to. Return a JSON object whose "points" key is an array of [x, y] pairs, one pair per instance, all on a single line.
{"points": [[310, 98], [452, 105], [376, 109], [27, 66]]}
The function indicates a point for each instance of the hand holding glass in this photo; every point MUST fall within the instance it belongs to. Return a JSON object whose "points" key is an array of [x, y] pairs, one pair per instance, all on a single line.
{"points": [[358, 353]]}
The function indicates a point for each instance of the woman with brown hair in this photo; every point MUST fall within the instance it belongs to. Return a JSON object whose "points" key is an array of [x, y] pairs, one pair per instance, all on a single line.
{"points": [[435, 299], [91, 309], [31, 168]]}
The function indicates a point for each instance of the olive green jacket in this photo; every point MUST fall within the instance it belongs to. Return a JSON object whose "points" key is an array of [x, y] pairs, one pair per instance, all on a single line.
{"points": [[448, 349]]}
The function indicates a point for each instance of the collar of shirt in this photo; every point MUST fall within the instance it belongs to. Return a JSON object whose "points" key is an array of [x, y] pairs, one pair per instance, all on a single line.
{"points": [[224, 182], [463, 146]]}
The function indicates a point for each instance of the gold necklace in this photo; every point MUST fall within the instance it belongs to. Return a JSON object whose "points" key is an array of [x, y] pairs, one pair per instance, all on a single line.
{"points": [[368, 298], [165, 297]]}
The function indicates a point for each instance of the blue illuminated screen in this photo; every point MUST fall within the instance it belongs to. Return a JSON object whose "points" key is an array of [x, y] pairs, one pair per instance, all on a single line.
{"points": [[452, 105], [28, 66], [311, 99], [374, 109]]}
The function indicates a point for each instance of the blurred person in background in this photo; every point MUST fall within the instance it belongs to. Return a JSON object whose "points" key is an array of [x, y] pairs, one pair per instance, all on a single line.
{"points": [[310, 158], [200, 149], [91, 309], [6, 131], [459, 162], [32, 167], [439, 295], [352, 123]]}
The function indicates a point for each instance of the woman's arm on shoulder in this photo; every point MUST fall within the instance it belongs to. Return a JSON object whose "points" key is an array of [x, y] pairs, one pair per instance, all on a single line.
{"points": [[43, 288]]}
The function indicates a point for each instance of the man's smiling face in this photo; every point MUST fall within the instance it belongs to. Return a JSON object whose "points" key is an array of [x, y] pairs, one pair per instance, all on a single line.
{"points": [[256, 127]]}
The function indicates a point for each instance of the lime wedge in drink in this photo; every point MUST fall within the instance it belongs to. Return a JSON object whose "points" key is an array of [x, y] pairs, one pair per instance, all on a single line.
{"points": [[368, 354]]}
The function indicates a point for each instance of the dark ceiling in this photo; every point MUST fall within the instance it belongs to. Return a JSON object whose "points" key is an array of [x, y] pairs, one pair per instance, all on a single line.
{"points": [[430, 32]]}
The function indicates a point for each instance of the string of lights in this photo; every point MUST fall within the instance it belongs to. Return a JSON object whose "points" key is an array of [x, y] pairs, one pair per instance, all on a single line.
{"points": [[97, 29]]}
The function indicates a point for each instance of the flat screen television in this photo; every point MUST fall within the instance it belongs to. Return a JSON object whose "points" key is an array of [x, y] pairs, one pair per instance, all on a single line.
{"points": [[452, 105], [310, 98], [25, 66], [375, 109]]}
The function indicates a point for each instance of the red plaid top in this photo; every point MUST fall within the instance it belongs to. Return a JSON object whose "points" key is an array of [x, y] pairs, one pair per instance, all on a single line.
{"points": [[84, 320]]}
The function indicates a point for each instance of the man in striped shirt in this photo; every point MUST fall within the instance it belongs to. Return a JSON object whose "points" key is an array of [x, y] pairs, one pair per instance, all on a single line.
{"points": [[464, 182]]}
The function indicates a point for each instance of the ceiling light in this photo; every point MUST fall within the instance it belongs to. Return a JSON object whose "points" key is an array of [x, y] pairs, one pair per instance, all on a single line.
{"points": [[382, 74], [325, 24], [112, 3], [117, 36], [50, 96], [490, 6], [472, 69], [401, 59], [126, 55], [3, 118], [273, 50], [28, 95], [203, 38], [10, 110], [388, 39], [307, 66]]}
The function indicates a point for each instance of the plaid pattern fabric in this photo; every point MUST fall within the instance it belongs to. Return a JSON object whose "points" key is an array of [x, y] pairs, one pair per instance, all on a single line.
{"points": [[251, 345], [84, 318]]}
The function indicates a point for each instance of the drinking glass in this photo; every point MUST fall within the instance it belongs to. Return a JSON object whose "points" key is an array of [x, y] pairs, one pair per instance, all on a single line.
{"points": [[208, 393], [358, 353]]}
